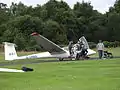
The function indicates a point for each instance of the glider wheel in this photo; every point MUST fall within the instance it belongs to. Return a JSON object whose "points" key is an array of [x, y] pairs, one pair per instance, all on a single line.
{"points": [[60, 59]]}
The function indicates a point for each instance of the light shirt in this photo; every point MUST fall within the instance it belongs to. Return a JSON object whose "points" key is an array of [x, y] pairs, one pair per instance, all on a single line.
{"points": [[100, 46]]}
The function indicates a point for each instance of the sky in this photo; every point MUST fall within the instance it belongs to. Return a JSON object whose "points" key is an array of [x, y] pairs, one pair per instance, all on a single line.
{"points": [[100, 5]]}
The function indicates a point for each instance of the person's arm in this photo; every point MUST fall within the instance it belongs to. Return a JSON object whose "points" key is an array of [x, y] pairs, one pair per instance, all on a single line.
{"points": [[103, 46], [97, 46]]}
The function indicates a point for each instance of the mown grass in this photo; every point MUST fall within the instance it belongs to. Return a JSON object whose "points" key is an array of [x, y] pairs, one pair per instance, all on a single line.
{"points": [[76, 75], [79, 75]]}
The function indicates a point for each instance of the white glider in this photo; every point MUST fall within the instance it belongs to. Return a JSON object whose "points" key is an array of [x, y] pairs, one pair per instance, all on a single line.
{"points": [[52, 50]]}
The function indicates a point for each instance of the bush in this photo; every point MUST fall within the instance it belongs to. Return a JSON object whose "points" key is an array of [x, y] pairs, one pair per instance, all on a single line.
{"points": [[111, 44], [106, 43], [92, 44]]}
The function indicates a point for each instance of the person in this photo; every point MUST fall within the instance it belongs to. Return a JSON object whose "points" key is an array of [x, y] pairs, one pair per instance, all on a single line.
{"points": [[83, 51], [78, 45], [79, 50], [70, 47], [100, 48]]}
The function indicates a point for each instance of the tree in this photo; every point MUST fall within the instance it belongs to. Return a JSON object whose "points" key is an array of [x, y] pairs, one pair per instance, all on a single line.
{"points": [[114, 26], [83, 9], [86, 16], [19, 29], [54, 9], [4, 15], [54, 32], [117, 6], [58, 22], [20, 9], [3, 5]]}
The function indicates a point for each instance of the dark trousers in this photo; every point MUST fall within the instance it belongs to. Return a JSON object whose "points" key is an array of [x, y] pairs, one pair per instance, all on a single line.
{"points": [[70, 51], [100, 52]]}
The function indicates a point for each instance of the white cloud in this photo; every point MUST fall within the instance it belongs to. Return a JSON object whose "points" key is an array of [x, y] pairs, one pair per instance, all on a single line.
{"points": [[100, 5]]}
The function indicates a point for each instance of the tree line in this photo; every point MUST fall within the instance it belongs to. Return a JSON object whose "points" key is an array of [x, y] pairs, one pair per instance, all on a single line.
{"points": [[58, 22]]}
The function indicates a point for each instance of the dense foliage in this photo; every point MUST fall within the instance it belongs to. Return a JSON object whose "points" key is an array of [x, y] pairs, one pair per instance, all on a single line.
{"points": [[58, 22]]}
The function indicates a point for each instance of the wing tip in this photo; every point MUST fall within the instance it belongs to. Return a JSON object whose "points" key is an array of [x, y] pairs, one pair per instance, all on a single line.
{"points": [[35, 34]]}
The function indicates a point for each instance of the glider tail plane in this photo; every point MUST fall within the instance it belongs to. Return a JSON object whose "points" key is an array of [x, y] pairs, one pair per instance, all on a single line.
{"points": [[10, 52], [84, 41]]}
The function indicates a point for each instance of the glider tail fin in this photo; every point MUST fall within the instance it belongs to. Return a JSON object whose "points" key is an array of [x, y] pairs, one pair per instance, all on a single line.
{"points": [[10, 52], [84, 41]]}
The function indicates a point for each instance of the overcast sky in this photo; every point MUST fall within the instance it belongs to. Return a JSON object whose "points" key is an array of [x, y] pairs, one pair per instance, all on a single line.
{"points": [[100, 5]]}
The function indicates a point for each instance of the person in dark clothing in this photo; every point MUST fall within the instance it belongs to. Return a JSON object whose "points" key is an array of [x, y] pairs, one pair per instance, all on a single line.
{"points": [[83, 51], [70, 47]]}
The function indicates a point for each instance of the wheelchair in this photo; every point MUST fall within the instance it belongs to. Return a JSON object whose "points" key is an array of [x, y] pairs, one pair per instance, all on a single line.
{"points": [[108, 54]]}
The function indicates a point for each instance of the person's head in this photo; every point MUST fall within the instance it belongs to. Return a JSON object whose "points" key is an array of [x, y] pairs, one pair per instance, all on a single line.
{"points": [[100, 41], [71, 42], [78, 42]]}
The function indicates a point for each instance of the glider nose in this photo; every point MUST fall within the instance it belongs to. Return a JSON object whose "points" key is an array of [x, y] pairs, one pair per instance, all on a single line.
{"points": [[35, 34]]}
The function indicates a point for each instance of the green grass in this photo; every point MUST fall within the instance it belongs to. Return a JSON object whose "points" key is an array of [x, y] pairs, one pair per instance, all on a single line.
{"points": [[76, 75], [114, 51], [79, 75]]}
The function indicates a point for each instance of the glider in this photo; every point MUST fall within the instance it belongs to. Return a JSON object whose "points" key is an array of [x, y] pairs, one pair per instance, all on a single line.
{"points": [[52, 49]]}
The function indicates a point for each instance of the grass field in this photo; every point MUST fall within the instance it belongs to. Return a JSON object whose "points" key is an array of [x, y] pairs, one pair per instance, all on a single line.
{"points": [[114, 51], [76, 75]]}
